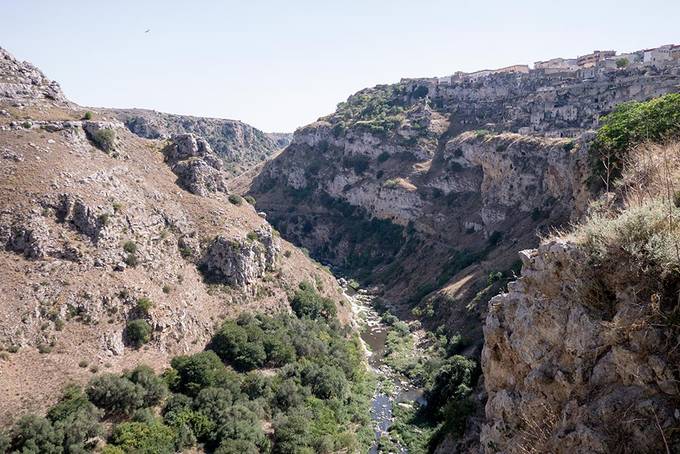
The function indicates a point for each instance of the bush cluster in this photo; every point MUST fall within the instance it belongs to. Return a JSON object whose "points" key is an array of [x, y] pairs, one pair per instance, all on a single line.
{"points": [[629, 124], [104, 138], [317, 397]]}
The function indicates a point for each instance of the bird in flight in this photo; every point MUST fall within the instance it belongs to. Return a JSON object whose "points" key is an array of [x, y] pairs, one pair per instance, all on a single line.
{"points": [[147, 30]]}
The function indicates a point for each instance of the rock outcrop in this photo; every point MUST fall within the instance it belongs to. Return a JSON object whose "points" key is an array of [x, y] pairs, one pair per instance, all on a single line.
{"points": [[241, 262], [197, 167], [21, 84], [562, 377], [238, 145]]}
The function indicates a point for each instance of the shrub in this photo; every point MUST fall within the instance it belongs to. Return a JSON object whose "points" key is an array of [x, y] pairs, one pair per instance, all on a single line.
{"points": [[239, 345], [235, 199], [256, 385], [306, 302], [629, 124], [384, 156], [144, 304], [325, 381], [154, 387], [130, 247], [115, 395], [138, 332], [144, 438], [292, 434], [34, 434], [231, 446], [201, 370], [131, 260], [250, 199], [104, 138], [77, 419], [391, 183], [453, 381], [622, 62], [88, 115]]}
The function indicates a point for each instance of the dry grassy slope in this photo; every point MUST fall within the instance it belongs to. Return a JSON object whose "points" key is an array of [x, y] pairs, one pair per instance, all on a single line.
{"points": [[68, 270]]}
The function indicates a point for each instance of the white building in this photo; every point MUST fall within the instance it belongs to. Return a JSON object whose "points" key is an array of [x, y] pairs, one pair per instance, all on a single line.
{"points": [[657, 56]]}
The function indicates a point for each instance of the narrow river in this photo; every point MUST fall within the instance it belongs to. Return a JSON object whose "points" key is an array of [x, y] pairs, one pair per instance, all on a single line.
{"points": [[393, 389]]}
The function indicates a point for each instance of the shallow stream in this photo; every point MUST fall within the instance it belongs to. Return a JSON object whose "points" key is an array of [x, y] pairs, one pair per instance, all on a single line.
{"points": [[393, 389]]}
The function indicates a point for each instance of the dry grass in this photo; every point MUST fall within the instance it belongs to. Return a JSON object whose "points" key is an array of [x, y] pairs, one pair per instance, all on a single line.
{"points": [[640, 223], [535, 436]]}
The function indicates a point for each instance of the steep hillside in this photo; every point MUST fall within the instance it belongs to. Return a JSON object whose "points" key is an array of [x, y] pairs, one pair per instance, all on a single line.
{"points": [[425, 186], [581, 354], [110, 241], [239, 145]]}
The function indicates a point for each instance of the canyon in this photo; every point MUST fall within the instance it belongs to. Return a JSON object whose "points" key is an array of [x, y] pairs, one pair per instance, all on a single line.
{"points": [[452, 201]]}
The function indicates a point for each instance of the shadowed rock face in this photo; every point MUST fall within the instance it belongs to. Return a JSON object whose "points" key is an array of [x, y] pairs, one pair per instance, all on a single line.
{"points": [[239, 145]]}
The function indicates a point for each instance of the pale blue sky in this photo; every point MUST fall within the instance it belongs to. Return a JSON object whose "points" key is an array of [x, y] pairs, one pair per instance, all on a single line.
{"points": [[280, 65]]}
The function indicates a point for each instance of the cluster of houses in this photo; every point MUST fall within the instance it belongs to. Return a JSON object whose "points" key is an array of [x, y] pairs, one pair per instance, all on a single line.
{"points": [[586, 65]]}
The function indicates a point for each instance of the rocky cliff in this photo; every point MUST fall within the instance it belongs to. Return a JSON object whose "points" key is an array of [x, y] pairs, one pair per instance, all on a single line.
{"points": [[99, 227], [427, 190], [580, 354], [425, 187], [240, 146]]}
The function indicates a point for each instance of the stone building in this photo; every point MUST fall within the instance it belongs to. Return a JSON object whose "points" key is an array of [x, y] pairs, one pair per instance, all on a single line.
{"points": [[557, 64], [589, 60], [658, 56]]}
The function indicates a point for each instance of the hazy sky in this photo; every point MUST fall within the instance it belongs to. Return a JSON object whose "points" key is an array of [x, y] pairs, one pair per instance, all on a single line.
{"points": [[280, 65]]}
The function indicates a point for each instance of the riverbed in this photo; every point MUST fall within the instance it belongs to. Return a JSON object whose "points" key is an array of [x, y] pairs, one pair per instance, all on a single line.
{"points": [[393, 388]]}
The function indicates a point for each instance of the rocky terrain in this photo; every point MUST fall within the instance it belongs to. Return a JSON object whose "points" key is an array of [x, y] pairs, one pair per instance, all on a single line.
{"points": [[100, 227], [125, 239], [240, 146], [427, 190], [581, 354], [431, 188]]}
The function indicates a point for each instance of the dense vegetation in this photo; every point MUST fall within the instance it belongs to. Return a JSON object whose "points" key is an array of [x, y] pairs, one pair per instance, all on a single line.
{"points": [[313, 396], [447, 378], [378, 109], [629, 124]]}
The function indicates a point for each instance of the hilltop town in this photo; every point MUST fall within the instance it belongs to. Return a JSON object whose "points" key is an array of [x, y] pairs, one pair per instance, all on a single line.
{"points": [[585, 66]]}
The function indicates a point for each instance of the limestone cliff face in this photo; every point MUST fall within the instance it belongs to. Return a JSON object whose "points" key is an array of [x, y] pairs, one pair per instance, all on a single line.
{"points": [[563, 377], [239, 145], [427, 186]]}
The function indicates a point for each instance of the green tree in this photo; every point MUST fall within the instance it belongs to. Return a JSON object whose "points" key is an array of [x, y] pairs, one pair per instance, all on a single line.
{"points": [[36, 435], [144, 438], [202, 370], [77, 419], [138, 332], [115, 395], [306, 302], [154, 387]]}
